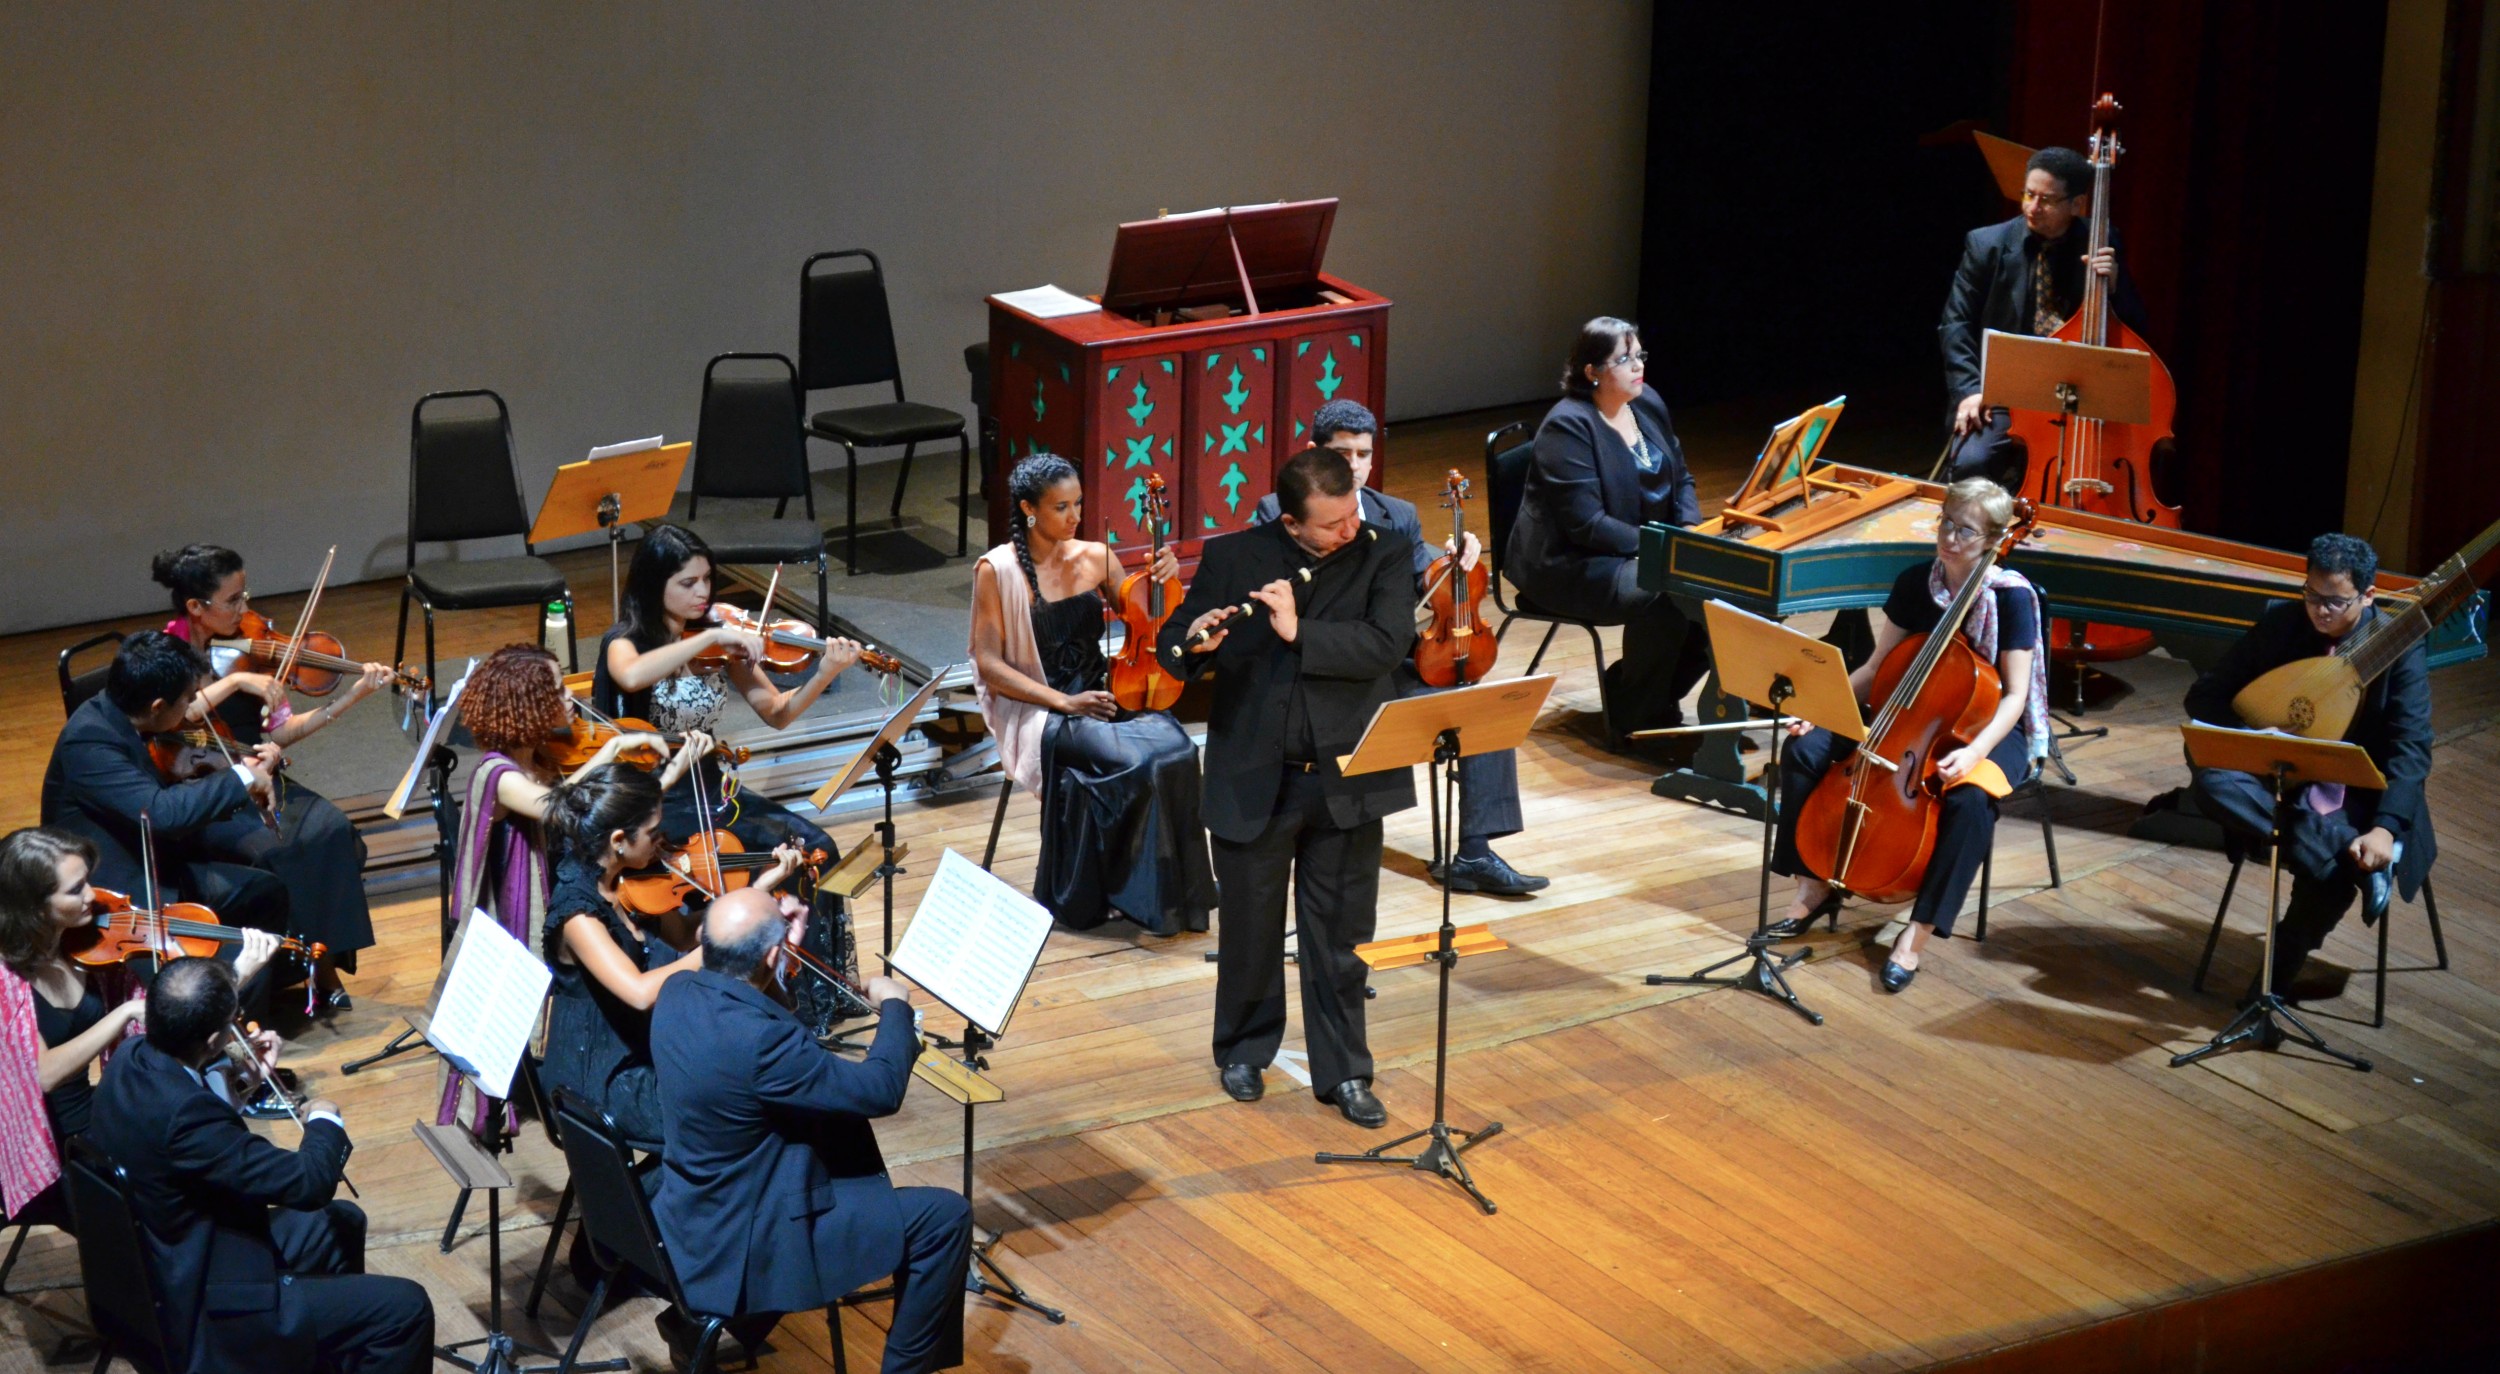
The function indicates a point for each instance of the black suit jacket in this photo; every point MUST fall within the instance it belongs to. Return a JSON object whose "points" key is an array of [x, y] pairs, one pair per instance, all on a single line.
{"points": [[2393, 725], [1357, 623], [101, 779], [1992, 290], [1582, 507], [202, 1184], [773, 1195]]}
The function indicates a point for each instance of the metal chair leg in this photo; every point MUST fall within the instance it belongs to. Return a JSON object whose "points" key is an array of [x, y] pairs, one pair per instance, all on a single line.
{"points": [[428, 608], [1987, 870], [2048, 837], [850, 485], [547, 1257], [1605, 696], [1503, 628], [833, 1325], [1552, 628], [572, 637], [824, 601], [1004, 787], [963, 495], [901, 480], [2430, 905], [2214, 936], [14, 1246], [399, 647]]}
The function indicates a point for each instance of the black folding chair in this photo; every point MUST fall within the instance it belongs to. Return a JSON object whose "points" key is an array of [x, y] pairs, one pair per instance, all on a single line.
{"points": [[2032, 788], [122, 1303], [846, 339], [977, 366], [1506, 485], [461, 485], [2239, 854], [748, 444], [77, 686]]}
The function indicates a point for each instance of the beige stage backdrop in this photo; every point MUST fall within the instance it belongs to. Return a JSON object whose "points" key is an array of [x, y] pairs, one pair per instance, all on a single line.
{"points": [[237, 241]]}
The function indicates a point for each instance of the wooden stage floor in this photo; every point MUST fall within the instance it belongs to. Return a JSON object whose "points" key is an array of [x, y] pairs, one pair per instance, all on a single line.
{"points": [[1686, 1181]]}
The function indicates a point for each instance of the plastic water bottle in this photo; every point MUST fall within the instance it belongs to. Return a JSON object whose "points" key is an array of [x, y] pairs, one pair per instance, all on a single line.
{"points": [[555, 630]]}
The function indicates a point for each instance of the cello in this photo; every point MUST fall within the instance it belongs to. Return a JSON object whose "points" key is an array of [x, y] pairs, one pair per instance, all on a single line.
{"points": [[1450, 652], [1870, 825], [2101, 466], [1137, 681]]}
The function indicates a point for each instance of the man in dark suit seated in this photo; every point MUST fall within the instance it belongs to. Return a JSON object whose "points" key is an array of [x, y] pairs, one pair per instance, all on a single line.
{"points": [[101, 780], [773, 1196], [1488, 782], [2337, 842], [1295, 685], [257, 1266], [2022, 276]]}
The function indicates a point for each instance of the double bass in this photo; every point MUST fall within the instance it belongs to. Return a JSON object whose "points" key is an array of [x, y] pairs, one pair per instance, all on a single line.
{"points": [[1138, 682], [2101, 466], [1452, 650], [1870, 825]]}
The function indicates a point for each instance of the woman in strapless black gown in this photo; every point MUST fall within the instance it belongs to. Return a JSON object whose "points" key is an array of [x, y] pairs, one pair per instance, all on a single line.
{"points": [[1119, 790]]}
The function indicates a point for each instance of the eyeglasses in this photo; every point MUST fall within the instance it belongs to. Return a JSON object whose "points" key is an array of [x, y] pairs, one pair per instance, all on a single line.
{"points": [[2044, 198], [1955, 532], [1638, 356], [2329, 605], [235, 602]]}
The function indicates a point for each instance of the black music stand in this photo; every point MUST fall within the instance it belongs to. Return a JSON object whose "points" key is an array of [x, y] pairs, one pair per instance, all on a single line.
{"points": [[964, 904], [2073, 381], [2283, 761], [1441, 728], [1766, 663], [881, 758], [439, 763]]}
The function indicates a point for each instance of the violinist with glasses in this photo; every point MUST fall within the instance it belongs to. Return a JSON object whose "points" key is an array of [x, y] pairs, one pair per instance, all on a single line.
{"points": [[314, 849]]}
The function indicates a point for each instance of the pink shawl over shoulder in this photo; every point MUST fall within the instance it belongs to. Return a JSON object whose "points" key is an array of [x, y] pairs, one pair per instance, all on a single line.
{"points": [[1018, 724]]}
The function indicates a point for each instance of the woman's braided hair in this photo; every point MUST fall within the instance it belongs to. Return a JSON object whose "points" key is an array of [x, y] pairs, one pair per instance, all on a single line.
{"points": [[1032, 479]]}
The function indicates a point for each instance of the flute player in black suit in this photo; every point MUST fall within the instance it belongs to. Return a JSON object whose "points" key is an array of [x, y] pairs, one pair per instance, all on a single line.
{"points": [[1297, 680]]}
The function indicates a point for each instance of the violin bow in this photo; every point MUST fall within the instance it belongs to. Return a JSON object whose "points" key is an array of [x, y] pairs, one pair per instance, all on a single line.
{"points": [[239, 1051], [295, 641]]}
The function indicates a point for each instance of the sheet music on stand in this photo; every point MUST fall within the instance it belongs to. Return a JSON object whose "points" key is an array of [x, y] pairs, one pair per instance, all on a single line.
{"points": [[973, 943], [435, 729], [485, 1004]]}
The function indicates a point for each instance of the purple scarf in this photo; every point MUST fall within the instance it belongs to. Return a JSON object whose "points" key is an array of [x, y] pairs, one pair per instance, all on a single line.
{"points": [[1980, 628], [501, 867]]}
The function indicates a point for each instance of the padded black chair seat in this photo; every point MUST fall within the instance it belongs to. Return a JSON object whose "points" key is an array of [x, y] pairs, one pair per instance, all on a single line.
{"points": [[481, 583], [893, 422], [760, 538]]}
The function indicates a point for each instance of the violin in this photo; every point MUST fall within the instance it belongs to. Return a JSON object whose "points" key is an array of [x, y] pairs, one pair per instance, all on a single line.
{"points": [[1450, 652], [175, 754], [2102, 466], [788, 647], [1137, 681], [1870, 825], [320, 661], [125, 930], [582, 741], [706, 865]]}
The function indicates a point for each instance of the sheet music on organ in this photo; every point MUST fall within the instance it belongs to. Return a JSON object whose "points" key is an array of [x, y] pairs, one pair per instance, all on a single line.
{"points": [[485, 1003], [973, 942], [1047, 302]]}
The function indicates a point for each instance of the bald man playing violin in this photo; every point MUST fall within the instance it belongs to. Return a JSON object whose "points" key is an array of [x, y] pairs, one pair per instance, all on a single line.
{"points": [[773, 1195]]}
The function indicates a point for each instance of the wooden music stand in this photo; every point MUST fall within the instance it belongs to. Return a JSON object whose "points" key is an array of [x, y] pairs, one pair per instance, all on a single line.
{"points": [[1441, 728], [2070, 380], [1180, 261], [1792, 676], [2286, 762], [604, 491]]}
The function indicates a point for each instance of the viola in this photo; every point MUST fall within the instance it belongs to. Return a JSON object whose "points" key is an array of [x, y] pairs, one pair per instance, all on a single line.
{"points": [[2102, 466], [583, 740], [177, 753], [1452, 651], [320, 661], [1870, 825], [125, 930], [706, 865], [788, 647], [1137, 681]]}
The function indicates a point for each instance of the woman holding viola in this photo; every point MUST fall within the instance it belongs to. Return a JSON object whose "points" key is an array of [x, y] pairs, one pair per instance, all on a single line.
{"points": [[58, 1017], [314, 850]]}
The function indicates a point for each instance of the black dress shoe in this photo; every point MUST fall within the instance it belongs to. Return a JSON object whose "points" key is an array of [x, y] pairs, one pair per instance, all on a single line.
{"points": [[1489, 874], [1244, 1082], [1789, 928], [337, 1000], [1896, 977], [1354, 1098]]}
